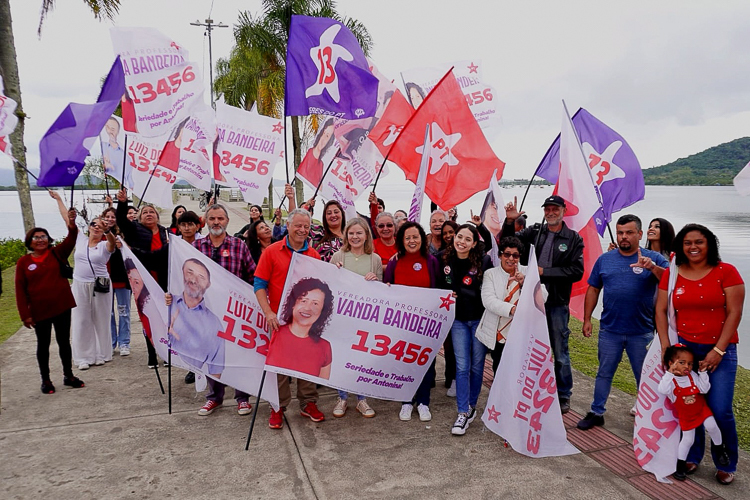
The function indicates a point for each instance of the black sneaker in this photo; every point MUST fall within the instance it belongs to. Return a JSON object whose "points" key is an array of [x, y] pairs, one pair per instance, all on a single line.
{"points": [[472, 414], [681, 473], [74, 382], [720, 452], [190, 378], [565, 406], [590, 420], [460, 425], [47, 387]]}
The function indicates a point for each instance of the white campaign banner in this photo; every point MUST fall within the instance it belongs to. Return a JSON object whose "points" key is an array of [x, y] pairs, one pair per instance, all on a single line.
{"points": [[149, 301], [522, 405], [248, 149], [479, 95], [161, 83], [142, 156], [8, 120], [656, 434], [216, 326], [112, 142], [360, 336], [337, 184], [187, 148]]}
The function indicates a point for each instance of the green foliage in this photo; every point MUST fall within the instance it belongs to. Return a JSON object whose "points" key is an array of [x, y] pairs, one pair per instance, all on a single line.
{"points": [[11, 250], [715, 166]]}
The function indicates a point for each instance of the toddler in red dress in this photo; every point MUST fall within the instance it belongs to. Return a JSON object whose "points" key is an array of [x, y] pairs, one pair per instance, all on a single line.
{"points": [[685, 388]]}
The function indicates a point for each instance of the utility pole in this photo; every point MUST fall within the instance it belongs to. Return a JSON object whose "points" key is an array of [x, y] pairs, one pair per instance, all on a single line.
{"points": [[210, 26]]}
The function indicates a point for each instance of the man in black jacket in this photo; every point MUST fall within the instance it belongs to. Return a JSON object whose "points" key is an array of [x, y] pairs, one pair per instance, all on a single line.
{"points": [[559, 253]]}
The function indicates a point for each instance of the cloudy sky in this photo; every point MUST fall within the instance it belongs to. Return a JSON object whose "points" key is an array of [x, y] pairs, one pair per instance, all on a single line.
{"points": [[670, 76]]}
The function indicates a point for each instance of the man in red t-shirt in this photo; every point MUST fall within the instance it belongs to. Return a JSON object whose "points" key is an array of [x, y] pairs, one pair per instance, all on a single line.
{"points": [[270, 276]]}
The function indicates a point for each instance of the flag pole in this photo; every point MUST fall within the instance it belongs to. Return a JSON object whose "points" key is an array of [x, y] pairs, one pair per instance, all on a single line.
{"points": [[583, 155], [169, 359], [145, 188], [382, 166], [255, 411], [325, 173], [72, 188], [106, 182], [124, 161]]}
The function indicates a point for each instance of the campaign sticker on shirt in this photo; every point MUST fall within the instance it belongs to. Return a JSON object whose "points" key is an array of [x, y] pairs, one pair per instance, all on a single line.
{"points": [[637, 270], [225, 252], [417, 266], [32, 266], [562, 247], [473, 271], [447, 269], [467, 280], [679, 291]]}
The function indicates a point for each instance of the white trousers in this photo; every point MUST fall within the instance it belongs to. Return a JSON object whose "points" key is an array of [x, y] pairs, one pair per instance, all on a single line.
{"points": [[92, 339]]}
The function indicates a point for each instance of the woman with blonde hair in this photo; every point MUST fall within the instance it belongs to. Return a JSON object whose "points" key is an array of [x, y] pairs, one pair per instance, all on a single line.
{"points": [[356, 255]]}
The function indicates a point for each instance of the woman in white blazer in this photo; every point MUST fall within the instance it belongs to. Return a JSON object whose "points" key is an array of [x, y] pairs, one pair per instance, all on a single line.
{"points": [[501, 290]]}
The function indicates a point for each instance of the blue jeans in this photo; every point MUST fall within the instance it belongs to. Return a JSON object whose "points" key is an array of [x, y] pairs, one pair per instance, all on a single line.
{"points": [[719, 399], [557, 322], [611, 346], [344, 395], [470, 355], [121, 336]]}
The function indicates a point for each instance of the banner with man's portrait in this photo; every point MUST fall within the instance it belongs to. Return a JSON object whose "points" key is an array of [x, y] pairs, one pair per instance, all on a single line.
{"points": [[365, 337], [215, 325]]}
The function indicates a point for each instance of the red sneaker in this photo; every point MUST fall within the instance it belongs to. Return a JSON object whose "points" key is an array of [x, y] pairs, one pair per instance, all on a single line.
{"points": [[208, 408], [311, 410], [276, 420]]}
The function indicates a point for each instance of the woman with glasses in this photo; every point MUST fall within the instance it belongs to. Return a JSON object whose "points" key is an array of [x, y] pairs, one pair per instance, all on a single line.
{"points": [[44, 298], [464, 265], [500, 293], [92, 339], [385, 244]]}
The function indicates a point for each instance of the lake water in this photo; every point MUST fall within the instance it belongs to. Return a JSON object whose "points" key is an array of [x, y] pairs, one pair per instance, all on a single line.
{"points": [[720, 208]]}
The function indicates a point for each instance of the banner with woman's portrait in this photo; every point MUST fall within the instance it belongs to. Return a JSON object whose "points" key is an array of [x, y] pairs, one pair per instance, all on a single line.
{"points": [[360, 336], [215, 325]]}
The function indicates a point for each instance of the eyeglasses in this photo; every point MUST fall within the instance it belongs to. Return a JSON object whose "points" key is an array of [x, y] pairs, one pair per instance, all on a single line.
{"points": [[41, 237], [93, 224], [382, 226], [509, 255]]}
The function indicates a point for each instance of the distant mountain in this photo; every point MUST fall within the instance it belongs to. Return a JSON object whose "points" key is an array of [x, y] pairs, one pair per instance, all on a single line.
{"points": [[716, 165]]}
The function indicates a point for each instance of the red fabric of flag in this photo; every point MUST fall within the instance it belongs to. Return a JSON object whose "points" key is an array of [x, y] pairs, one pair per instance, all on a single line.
{"points": [[461, 159]]}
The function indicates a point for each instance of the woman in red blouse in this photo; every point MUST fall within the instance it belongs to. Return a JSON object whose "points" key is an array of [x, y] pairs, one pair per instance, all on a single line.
{"points": [[44, 298], [707, 297], [414, 267]]}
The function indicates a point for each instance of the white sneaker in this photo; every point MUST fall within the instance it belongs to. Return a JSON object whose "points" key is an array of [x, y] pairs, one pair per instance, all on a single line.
{"points": [[424, 413], [452, 390], [405, 413], [460, 425], [125, 351], [634, 411], [340, 409], [83, 366], [365, 409], [99, 362]]}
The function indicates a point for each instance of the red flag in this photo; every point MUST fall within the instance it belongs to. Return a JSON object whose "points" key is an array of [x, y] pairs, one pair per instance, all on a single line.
{"points": [[396, 115], [461, 161], [591, 251]]}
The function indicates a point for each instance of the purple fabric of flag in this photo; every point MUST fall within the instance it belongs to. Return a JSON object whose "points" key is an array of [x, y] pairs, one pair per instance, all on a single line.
{"points": [[614, 166], [65, 146], [327, 72]]}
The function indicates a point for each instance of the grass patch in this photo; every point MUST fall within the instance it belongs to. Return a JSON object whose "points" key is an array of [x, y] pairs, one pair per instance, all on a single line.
{"points": [[583, 357], [9, 319]]}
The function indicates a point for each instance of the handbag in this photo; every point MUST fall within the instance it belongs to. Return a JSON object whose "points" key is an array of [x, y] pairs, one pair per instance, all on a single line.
{"points": [[101, 283], [65, 270]]}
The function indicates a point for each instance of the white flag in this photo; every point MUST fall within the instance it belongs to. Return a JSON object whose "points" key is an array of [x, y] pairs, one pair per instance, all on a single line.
{"points": [[656, 434], [575, 184], [497, 197], [742, 181], [8, 120], [522, 406], [151, 183], [415, 210]]}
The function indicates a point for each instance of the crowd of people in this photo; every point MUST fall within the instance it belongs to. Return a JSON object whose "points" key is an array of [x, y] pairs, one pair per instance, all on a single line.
{"points": [[702, 303]]}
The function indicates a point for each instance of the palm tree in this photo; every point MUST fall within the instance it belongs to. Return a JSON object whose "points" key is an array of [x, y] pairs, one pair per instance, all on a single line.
{"points": [[9, 71], [255, 70]]}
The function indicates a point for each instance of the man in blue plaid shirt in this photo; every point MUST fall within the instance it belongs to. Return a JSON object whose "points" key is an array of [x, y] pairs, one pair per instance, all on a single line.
{"points": [[233, 255]]}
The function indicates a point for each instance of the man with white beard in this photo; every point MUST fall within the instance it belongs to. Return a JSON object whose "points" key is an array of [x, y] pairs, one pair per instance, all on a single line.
{"points": [[233, 255]]}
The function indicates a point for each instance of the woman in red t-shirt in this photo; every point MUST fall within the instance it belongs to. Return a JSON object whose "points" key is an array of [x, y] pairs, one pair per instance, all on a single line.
{"points": [[297, 345], [707, 296], [414, 266], [385, 243]]}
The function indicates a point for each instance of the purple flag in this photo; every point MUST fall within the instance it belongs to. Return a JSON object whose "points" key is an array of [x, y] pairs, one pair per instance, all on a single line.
{"points": [[326, 71], [614, 166], [65, 146]]}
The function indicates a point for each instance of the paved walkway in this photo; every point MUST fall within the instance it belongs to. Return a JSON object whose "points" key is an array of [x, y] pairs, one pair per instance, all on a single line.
{"points": [[115, 439]]}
